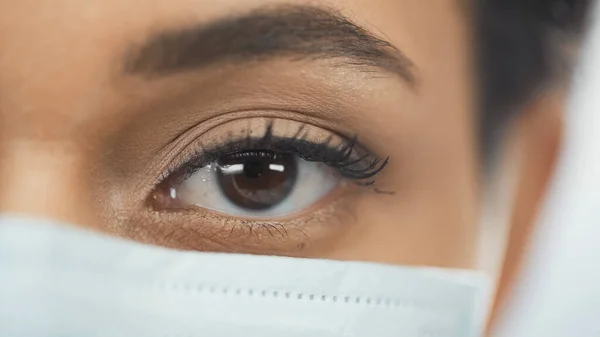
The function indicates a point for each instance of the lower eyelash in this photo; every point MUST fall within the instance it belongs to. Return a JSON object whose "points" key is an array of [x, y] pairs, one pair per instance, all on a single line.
{"points": [[349, 158], [207, 231]]}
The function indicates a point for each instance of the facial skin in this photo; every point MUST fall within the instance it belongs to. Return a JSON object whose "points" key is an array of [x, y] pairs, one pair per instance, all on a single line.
{"points": [[96, 108]]}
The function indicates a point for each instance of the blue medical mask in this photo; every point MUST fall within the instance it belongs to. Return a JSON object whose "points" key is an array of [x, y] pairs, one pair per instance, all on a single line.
{"points": [[58, 280]]}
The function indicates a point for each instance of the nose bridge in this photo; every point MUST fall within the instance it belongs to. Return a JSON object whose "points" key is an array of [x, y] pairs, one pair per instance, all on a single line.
{"points": [[42, 178]]}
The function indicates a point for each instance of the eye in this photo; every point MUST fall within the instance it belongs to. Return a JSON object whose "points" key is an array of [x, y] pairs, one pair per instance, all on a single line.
{"points": [[256, 183], [284, 171]]}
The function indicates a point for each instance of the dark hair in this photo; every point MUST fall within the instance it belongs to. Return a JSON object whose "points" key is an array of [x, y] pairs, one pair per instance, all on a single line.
{"points": [[520, 51]]}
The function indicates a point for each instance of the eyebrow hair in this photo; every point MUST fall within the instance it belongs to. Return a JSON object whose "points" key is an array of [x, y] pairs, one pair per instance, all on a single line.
{"points": [[295, 31]]}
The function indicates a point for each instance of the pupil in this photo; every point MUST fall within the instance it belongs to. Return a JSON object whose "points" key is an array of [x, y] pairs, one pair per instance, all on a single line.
{"points": [[257, 180], [253, 169]]}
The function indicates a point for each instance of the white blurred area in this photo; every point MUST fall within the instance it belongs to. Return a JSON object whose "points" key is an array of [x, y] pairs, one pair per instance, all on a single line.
{"points": [[558, 293]]}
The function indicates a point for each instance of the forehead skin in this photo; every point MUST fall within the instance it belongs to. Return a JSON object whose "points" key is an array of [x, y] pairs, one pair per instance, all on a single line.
{"points": [[63, 97], [76, 47]]}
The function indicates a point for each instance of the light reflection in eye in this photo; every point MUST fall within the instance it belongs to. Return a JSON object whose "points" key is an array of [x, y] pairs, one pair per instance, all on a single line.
{"points": [[276, 167], [231, 169]]}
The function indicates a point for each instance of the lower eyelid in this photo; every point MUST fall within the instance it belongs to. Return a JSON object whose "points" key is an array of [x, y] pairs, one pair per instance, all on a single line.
{"points": [[209, 231]]}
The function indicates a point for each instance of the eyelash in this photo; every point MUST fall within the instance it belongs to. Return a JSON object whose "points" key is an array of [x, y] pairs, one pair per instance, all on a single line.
{"points": [[351, 160]]}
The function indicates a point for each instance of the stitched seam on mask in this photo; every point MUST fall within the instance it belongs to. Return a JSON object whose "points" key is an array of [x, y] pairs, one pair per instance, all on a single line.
{"points": [[380, 301]]}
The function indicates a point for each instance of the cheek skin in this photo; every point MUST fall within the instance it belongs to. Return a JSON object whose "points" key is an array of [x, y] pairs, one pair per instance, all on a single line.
{"points": [[400, 233], [45, 179]]}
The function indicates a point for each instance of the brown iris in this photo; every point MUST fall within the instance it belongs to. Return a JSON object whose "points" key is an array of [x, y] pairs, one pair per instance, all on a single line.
{"points": [[257, 180]]}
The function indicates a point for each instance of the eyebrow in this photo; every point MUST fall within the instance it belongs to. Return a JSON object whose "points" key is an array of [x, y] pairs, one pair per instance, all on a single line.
{"points": [[294, 31]]}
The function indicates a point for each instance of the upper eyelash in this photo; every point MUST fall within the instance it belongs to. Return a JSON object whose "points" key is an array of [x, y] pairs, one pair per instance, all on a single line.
{"points": [[350, 159]]}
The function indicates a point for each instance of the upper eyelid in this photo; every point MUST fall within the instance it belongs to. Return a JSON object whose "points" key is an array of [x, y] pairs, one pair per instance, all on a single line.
{"points": [[359, 165], [345, 140], [194, 140]]}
